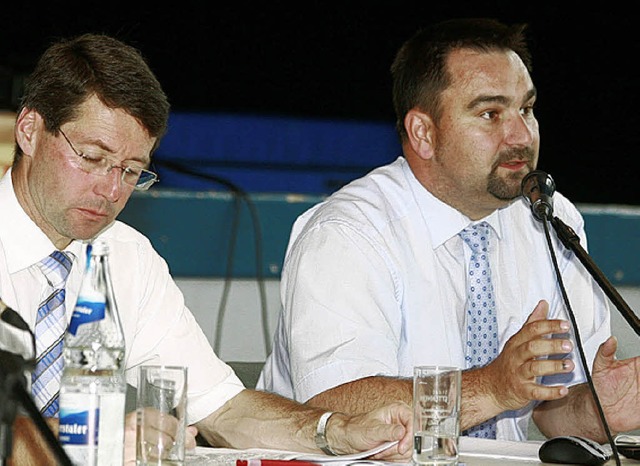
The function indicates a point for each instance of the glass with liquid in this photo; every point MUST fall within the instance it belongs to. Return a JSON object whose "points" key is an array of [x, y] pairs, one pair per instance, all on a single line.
{"points": [[436, 415]]}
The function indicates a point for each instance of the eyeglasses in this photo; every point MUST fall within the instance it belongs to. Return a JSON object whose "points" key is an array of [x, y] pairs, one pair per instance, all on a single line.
{"points": [[100, 165]]}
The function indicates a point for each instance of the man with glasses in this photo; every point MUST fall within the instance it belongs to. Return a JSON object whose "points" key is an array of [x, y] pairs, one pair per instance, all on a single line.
{"points": [[91, 116]]}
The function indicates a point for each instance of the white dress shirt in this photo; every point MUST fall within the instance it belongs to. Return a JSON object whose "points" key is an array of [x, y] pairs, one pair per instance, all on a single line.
{"points": [[374, 283], [158, 327]]}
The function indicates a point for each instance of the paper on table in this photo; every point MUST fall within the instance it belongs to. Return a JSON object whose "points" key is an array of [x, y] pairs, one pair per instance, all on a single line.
{"points": [[351, 457], [503, 449], [217, 456]]}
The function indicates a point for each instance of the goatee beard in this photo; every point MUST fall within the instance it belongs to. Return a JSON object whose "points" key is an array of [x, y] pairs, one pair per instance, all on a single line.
{"points": [[507, 189]]}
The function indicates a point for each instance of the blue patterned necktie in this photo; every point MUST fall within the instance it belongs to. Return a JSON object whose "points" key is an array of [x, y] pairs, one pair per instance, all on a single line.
{"points": [[482, 325], [51, 324]]}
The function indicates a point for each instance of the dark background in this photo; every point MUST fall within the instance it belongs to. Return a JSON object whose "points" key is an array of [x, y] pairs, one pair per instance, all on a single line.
{"points": [[331, 60]]}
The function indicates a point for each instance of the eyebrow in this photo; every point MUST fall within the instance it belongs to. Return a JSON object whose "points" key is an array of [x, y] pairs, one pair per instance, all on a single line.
{"points": [[498, 99]]}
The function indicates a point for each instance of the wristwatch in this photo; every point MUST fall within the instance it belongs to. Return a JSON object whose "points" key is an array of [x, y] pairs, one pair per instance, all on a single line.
{"points": [[321, 434]]}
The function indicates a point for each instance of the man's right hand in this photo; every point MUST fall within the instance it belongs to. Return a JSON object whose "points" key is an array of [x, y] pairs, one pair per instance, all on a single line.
{"points": [[165, 426], [510, 381], [365, 431]]}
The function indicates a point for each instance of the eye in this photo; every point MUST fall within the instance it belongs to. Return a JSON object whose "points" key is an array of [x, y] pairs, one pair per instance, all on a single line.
{"points": [[129, 170], [527, 110], [92, 157], [489, 115]]}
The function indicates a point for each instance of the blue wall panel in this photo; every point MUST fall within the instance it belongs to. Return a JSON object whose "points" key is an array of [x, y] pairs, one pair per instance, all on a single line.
{"points": [[271, 154], [192, 230]]}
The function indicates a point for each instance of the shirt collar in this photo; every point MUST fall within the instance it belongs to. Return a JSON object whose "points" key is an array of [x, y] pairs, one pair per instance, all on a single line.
{"points": [[24, 243], [443, 221]]}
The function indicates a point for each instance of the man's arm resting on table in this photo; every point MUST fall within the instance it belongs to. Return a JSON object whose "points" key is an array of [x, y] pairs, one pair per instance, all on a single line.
{"points": [[255, 419], [29, 446], [368, 393], [575, 414], [363, 395]]}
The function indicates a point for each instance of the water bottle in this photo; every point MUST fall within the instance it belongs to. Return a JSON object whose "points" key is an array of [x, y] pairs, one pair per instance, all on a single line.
{"points": [[92, 391]]}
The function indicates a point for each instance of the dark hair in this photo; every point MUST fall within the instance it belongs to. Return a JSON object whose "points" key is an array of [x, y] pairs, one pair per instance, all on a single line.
{"points": [[72, 70], [419, 70]]}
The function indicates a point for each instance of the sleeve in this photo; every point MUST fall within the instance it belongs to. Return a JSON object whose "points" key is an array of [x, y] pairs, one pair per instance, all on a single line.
{"points": [[340, 309], [159, 329]]}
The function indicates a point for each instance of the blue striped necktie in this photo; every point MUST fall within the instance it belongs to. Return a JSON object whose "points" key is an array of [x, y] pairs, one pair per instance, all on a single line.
{"points": [[51, 324], [482, 324]]}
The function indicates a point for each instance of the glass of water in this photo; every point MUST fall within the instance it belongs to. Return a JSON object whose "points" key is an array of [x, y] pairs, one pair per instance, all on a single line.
{"points": [[436, 414]]}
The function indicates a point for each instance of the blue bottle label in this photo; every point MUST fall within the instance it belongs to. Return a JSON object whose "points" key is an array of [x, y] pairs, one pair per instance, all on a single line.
{"points": [[85, 312], [79, 427]]}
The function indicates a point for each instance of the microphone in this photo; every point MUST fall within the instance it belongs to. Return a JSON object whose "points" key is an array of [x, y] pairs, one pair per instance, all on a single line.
{"points": [[538, 188], [12, 318]]}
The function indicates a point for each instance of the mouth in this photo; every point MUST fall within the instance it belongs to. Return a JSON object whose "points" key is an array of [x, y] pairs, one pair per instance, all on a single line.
{"points": [[514, 165], [93, 214]]}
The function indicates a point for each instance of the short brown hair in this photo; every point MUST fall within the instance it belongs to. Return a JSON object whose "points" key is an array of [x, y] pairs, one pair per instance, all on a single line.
{"points": [[419, 70], [72, 70]]}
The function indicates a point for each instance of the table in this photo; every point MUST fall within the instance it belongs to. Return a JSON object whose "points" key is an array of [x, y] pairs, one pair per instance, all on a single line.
{"points": [[474, 452]]}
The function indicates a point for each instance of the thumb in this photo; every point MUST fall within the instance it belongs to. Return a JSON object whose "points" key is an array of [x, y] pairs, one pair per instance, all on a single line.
{"points": [[606, 354], [539, 312]]}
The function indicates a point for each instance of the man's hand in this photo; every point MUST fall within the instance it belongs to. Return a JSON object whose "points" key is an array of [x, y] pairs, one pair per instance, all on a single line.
{"points": [[488, 391], [163, 426], [366, 431], [524, 359], [617, 384]]}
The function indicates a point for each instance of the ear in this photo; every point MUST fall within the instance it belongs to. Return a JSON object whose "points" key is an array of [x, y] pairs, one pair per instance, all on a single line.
{"points": [[26, 130], [421, 133]]}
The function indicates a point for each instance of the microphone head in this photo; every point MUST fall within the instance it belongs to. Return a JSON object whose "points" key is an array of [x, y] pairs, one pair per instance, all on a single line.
{"points": [[538, 188]]}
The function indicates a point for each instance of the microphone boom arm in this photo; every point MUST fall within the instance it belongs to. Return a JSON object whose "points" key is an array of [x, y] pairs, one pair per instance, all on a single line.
{"points": [[571, 241]]}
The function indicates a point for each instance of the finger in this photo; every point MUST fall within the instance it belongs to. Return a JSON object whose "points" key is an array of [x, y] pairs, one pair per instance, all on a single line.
{"points": [[403, 414], [547, 393], [541, 347], [541, 328], [190, 434], [406, 443], [541, 367], [154, 437], [158, 428], [130, 438], [401, 451]]}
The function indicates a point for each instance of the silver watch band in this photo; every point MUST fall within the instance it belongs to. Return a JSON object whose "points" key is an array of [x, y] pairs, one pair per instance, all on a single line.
{"points": [[321, 434]]}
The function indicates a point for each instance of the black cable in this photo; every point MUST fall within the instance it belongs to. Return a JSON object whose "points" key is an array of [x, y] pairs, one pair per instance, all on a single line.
{"points": [[222, 307], [239, 194], [583, 359]]}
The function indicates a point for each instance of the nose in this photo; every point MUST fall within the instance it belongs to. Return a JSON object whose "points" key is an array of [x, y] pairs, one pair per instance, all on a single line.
{"points": [[110, 185], [521, 131]]}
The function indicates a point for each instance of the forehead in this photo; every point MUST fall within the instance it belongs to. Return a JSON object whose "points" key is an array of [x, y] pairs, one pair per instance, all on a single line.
{"points": [[92, 113], [493, 72], [112, 129]]}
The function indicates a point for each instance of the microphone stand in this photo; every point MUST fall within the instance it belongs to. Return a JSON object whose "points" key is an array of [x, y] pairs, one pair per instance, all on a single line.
{"points": [[12, 394], [571, 241]]}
